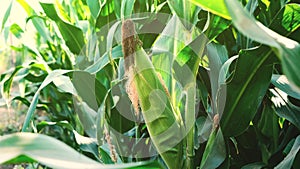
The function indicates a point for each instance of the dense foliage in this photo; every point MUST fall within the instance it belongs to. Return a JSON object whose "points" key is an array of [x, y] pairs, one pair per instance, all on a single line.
{"points": [[212, 84]]}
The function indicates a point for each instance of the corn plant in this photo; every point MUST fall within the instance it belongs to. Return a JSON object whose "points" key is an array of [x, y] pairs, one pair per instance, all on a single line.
{"points": [[157, 84]]}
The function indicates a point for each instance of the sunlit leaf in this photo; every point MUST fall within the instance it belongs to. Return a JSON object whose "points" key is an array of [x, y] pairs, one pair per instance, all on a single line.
{"points": [[16, 30], [216, 25], [37, 22], [72, 35], [288, 50], [216, 7], [29, 147], [284, 108], [282, 83], [291, 17], [6, 15], [157, 110]]}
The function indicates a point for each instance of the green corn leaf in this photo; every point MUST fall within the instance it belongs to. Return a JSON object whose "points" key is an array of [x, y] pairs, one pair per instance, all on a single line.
{"points": [[245, 90], [215, 150], [16, 30], [268, 123], [186, 11], [127, 8], [291, 17], [162, 124], [287, 162], [173, 42], [8, 83], [104, 60], [29, 147], [288, 50], [216, 25], [256, 165], [94, 6], [72, 35], [37, 22], [217, 7], [87, 118], [6, 15], [50, 78], [64, 84], [107, 13]]}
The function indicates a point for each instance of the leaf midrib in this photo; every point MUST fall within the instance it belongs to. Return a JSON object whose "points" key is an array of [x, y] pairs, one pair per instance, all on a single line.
{"points": [[247, 83]]}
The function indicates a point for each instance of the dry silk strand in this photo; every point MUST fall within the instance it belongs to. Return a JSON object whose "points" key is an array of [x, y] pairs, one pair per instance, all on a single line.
{"points": [[112, 149], [129, 46]]}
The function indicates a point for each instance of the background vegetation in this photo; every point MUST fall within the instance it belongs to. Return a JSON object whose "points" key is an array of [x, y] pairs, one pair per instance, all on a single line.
{"points": [[216, 81]]}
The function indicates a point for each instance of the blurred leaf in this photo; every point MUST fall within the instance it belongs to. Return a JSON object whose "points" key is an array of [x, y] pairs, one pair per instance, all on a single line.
{"points": [[245, 90], [7, 85], [282, 83], [35, 98], [21, 99], [110, 39], [65, 124], [286, 21], [6, 15], [72, 35], [288, 50], [37, 22], [26, 147], [217, 7], [35, 79], [105, 155], [101, 121], [204, 126], [291, 17], [290, 65], [296, 163], [289, 159], [16, 30]]}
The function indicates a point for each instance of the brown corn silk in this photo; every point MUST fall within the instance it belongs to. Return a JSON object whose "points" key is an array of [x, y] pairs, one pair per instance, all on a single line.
{"points": [[129, 47]]}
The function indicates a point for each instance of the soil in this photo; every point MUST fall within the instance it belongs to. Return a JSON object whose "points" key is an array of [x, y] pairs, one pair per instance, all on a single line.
{"points": [[10, 121], [4, 117]]}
